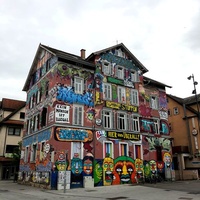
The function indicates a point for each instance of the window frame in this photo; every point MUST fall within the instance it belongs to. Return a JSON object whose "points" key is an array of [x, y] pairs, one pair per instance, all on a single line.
{"points": [[134, 97], [111, 147], [154, 102], [33, 156], [175, 111], [78, 86], [120, 72], [107, 91], [134, 122], [124, 121], [106, 68], [120, 148], [134, 76], [75, 115], [14, 131], [119, 93], [26, 154], [135, 151], [109, 117], [81, 149], [156, 123]]}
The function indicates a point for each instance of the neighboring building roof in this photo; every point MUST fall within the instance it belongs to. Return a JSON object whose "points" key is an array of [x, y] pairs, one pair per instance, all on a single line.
{"points": [[61, 55], [13, 106], [188, 101], [149, 80], [122, 46]]}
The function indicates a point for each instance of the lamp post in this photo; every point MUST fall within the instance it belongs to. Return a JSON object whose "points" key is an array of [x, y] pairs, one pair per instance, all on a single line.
{"points": [[194, 131]]}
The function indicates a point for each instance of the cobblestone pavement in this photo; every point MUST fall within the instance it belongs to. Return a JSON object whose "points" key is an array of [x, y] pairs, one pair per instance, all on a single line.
{"points": [[187, 190]]}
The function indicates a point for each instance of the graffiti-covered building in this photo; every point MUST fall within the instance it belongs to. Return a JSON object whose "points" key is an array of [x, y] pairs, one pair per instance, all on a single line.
{"points": [[96, 120]]}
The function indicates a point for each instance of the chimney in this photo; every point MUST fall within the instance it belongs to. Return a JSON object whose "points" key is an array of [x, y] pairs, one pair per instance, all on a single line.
{"points": [[83, 53]]}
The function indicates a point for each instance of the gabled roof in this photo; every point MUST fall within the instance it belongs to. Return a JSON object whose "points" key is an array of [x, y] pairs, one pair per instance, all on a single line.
{"points": [[14, 106], [187, 101], [61, 55], [125, 49], [149, 80], [11, 104]]}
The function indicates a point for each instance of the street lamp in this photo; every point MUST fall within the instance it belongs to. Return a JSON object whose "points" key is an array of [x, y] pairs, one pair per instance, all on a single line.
{"points": [[195, 92], [195, 132]]}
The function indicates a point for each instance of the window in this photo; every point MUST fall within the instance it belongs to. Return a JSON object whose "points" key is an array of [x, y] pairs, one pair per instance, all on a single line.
{"points": [[134, 97], [26, 154], [123, 149], [107, 91], [154, 102], [169, 112], [44, 116], [176, 112], [119, 53], [134, 76], [134, 123], [122, 121], [11, 148], [106, 68], [120, 72], [107, 117], [78, 115], [22, 115], [28, 126], [31, 102], [38, 96], [36, 122], [78, 85], [156, 127], [77, 150], [42, 150], [33, 152], [121, 94], [14, 131], [47, 88], [137, 151], [108, 149]]}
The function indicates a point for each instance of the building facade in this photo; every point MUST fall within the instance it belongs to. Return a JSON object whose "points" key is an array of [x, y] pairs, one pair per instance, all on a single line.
{"points": [[97, 117], [184, 130], [12, 115]]}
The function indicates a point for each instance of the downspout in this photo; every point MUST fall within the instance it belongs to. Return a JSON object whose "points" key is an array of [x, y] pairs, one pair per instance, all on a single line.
{"points": [[188, 130]]}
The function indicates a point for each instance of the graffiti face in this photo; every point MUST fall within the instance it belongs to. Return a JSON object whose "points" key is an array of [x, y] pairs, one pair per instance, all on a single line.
{"points": [[61, 165], [153, 166], [124, 169], [98, 172], [167, 160], [139, 167], [108, 166], [160, 166], [76, 166], [87, 166]]}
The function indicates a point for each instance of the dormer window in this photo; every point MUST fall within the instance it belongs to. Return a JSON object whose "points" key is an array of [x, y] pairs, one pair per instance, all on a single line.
{"points": [[120, 53], [120, 72], [106, 68], [134, 76]]}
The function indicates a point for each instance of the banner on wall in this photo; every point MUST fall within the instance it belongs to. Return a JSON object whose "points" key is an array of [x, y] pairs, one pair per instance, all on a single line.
{"points": [[62, 113]]}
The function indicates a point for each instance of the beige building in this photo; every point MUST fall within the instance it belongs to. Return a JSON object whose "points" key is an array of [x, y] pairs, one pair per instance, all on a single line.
{"points": [[183, 116], [12, 115]]}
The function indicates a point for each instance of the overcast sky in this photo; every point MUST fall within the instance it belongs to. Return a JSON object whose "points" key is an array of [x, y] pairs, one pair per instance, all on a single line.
{"points": [[163, 34]]}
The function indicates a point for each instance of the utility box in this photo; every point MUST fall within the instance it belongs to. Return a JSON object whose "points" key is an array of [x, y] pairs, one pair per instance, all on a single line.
{"points": [[88, 182]]}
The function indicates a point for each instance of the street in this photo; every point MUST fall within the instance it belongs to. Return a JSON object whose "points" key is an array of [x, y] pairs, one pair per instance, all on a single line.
{"points": [[187, 190]]}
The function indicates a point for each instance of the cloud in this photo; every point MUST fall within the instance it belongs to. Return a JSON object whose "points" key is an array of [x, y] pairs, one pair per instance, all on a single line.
{"points": [[162, 34]]}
